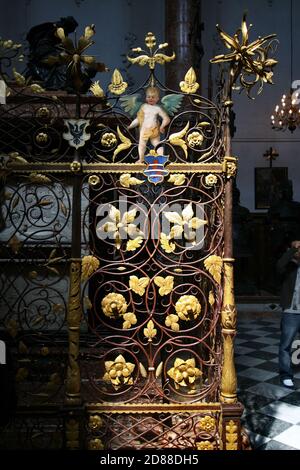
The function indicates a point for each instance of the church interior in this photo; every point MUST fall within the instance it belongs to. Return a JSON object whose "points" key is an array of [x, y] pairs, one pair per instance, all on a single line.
{"points": [[149, 225]]}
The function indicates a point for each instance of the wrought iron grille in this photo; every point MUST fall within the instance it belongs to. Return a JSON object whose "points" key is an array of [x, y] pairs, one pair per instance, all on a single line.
{"points": [[116, 297]]}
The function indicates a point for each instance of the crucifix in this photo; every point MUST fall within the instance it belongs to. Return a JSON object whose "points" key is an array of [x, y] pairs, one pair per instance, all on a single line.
{"points": [[271, 154]]}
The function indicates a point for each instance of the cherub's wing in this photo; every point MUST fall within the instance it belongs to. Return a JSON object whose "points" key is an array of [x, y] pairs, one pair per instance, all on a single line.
{"points": [[171, 103], [131, 103]]}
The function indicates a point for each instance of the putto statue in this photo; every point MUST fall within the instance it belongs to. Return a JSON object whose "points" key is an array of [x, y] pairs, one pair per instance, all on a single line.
{"points": [[151, 117]]}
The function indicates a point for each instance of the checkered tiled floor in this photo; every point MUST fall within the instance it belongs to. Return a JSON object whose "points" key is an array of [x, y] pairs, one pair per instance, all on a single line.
{"points": [[272, 412]]}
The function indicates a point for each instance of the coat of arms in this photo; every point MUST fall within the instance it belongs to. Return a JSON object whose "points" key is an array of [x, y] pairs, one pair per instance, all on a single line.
{"points": [[76, 135]]}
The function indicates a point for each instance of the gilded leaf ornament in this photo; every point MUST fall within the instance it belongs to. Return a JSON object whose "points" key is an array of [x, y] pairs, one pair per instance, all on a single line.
{"points": [[89, 264], [176, 139], [211, 298], [150, 332], [189, 84], [124, 145], [96, 89], [126, 180], [159, 369], [214, 265], [138, 285], [165, 284], [172, 322], [129, 320], [231, 435], [142, 370], [38, 178], [166, 245], [178, 179], [132, 245]]}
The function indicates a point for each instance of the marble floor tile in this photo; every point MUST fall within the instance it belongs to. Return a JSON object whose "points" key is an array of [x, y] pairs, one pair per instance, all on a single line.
{"points": [[290, 437], [248, 361], [283, 411], [258, 374], [268, 426], [269, 390]]}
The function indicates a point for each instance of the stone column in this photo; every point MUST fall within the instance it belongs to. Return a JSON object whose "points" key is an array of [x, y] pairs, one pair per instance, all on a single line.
{"points": [[183, 33]]}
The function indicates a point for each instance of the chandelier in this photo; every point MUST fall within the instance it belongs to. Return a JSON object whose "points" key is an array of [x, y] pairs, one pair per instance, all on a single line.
{"points": [[287, 114]]}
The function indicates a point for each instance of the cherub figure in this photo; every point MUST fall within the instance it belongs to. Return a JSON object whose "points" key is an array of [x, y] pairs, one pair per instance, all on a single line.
{"points": [[151, 117]]}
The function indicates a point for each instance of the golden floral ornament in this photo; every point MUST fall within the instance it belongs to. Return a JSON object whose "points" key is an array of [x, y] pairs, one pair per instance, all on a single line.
{"points": [[165, 284], [95, 422], [119, 372], [248, 59], [214, 265], [126, 180], [89, 265], [94, 180], [211, 179], [43, 112], [108, 139], [195, 139], [117, 85], [122, 223], [113, 305], [172, 322], [207, 424], [188, 307], [184, 373], [205, 445], [189, 84], [42, 138], [138, 285], [178, 179], [96, 89], [150, 332], [129, 320], [185, 224], [153, 56], [95, 444]]}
